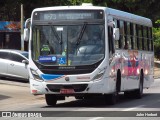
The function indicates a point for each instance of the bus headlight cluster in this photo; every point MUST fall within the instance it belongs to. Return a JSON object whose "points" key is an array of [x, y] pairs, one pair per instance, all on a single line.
{"points": [[99, 75], [36, 75]]}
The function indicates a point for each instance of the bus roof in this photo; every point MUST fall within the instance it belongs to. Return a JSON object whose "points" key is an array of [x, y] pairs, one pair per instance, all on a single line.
{"points": [[68, 7], [118, 14], [129, 17]]}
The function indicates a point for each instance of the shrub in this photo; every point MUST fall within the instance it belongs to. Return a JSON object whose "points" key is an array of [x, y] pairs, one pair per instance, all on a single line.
{"points": [[156, 37]]}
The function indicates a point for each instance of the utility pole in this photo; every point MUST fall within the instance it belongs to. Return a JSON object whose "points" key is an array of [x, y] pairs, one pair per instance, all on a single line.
{"points": [[22, 39]]}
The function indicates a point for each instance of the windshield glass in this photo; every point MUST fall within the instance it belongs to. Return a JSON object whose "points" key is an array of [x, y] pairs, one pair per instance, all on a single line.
{"points": [[69, 45], [25, 54]]}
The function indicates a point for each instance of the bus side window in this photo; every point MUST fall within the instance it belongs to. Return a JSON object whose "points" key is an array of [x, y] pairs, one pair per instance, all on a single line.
{"points": [[151, 39], [125, 36], [110, 41], [134, 37], [118, 43], [122, 38], [140, 37], [128, 35], [145, 40]]}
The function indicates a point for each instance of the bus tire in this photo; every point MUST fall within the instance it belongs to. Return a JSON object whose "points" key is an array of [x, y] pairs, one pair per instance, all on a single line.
{"points": [[51, 99], [139, 92], [112, 99], [118, 82]]}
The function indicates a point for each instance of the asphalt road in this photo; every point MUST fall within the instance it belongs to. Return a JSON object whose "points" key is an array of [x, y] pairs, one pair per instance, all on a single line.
{"points": [[15, 96]]}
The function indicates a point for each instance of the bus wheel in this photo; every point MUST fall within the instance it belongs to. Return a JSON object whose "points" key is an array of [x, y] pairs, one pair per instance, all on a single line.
{"points": [[118, 82], [139, 92], [112, 99], [51, 99]]}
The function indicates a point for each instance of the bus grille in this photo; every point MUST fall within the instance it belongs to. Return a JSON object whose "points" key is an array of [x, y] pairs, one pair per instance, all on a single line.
{"points": [[76, 87]]}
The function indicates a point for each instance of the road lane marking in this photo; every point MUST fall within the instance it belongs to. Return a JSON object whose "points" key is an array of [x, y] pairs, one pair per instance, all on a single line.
{"points": [[129, 109], [96, 118]]}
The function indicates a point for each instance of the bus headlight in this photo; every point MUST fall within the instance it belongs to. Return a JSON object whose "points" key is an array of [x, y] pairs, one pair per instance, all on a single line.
{"points": [[36, 75], [99, 75]]}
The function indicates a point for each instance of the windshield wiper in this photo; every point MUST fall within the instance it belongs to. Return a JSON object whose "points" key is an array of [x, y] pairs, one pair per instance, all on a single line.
{"points": [[81, 34], [56, 34]]}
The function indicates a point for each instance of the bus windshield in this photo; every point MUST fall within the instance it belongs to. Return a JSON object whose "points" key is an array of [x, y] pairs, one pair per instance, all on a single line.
{"points": [[69, 45]]}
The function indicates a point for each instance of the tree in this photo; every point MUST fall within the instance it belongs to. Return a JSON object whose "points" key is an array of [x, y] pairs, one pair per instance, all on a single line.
{"points": [[99, 2], [10, 9], [156, 36], [146, 8]]}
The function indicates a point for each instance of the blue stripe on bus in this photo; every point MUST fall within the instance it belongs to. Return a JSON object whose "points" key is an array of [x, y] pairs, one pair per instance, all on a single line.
{"points": [[50, 77]]}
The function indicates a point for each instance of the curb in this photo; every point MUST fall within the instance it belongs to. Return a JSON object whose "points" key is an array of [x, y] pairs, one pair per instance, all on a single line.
{"points": [[157, 64]]}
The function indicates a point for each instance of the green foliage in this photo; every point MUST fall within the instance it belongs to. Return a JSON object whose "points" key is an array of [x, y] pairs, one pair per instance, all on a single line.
{"points": [[99, 2], [75, 2], [87, 1], [79, 2], [156, 36], [10, 9]]}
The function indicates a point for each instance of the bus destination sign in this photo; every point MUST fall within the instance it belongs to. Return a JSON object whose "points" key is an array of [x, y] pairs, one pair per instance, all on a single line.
{"points": [[68, 15]]}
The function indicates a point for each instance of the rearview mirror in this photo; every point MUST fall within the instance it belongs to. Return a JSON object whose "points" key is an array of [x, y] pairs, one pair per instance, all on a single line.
{"points": [[26, 62], [116, 33], [26, 34]]}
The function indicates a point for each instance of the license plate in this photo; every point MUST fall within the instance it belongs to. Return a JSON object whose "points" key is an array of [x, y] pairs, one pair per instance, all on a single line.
{"points": [[66, 91]]}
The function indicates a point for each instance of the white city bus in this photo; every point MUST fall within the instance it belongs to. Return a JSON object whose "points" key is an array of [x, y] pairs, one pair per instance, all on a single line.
{"points": [[86, 51]]}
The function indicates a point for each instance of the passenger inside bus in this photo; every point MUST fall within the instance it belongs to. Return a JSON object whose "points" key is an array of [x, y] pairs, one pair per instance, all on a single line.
{"points": [[73, 39], [126, 45], [96, 38], [92, 46], [47, 49]]}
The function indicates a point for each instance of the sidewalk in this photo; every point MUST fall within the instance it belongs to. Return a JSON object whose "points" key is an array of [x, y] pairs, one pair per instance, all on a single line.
{"points": [[156, 69], [157, 64]]}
